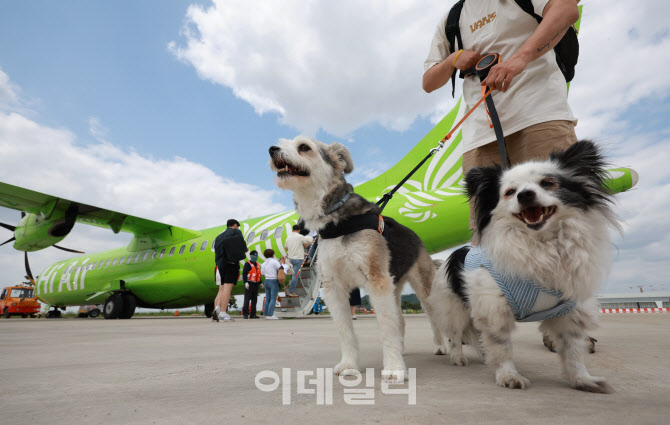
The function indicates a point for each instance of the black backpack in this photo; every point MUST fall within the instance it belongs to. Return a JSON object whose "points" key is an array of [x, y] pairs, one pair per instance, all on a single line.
{"points": [[567, 50]]}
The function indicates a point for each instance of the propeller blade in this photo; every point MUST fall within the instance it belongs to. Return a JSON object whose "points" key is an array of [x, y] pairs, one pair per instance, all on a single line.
{"points": [[8, 227], [28, 272], [8, 241], [68, 249]]}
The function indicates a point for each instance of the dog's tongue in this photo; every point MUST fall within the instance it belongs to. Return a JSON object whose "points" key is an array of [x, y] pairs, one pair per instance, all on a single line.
{"points": [[532, 214]]}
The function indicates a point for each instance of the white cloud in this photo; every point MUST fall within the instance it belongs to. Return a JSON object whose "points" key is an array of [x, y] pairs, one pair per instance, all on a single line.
{"points": [[175, 190], [330, 65], [9, 96]]}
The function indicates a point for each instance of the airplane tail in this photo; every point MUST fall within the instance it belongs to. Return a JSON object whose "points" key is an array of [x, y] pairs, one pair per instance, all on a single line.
{"points": [[442, 171]]}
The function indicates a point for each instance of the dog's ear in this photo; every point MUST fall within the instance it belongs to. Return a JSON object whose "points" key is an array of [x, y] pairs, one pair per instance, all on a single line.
{"points": [[582, 159], [341, 157], [483, 180], [483, 187]]}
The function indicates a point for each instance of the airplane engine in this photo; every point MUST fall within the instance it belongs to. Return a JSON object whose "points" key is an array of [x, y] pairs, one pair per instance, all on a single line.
{"points": [[35, 232]]}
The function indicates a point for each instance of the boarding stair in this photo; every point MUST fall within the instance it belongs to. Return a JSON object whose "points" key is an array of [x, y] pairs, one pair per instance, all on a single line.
{"points": [[307, 289]]}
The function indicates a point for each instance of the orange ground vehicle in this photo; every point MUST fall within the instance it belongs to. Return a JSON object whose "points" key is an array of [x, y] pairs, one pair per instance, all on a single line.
{"points": [[19, 299]]}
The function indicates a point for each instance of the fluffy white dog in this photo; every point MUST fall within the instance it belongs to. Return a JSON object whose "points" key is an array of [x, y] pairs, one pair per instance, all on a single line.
{"points": [[545, 249], [358, 248]]}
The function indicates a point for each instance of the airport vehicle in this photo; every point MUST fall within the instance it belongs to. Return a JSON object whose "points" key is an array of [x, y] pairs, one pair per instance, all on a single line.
{"points": [[92, 311], [166, 266], [18, 300]]}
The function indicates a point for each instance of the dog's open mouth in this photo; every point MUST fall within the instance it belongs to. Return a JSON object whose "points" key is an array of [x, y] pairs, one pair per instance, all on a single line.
{"points": [[285, 169], [536, 216]]}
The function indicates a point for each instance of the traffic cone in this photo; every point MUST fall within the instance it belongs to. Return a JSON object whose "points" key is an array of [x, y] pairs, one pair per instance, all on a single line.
{"points": [[176, 313], [372, 311]]}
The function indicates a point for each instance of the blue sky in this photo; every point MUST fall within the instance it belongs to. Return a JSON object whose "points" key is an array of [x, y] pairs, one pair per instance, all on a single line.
{"points": [[165, 109]]}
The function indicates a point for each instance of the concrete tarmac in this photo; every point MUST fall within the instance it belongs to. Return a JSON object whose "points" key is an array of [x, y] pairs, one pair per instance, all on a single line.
{"points": [[194, 371]]}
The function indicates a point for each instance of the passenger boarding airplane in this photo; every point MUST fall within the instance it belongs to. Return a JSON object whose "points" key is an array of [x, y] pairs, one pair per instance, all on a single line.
{"points": [[166, 266]]}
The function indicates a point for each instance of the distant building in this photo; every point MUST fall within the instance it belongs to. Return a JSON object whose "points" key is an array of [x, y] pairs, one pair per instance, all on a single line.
{"points": [[635, 300]]}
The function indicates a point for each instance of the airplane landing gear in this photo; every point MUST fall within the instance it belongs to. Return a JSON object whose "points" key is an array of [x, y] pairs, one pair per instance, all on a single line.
{"points": [[53, 314], [120, 306]]}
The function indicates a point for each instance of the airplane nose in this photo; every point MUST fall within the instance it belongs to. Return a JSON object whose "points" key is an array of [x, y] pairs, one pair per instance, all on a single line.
{"points": [[526, 196], [274, 150]]}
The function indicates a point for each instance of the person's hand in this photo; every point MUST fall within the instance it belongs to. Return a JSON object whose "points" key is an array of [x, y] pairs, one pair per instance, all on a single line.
{"points": [[500, 76], [246, 285], [466, 60]]}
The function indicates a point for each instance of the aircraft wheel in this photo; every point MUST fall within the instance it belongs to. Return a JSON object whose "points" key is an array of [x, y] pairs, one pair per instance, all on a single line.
{"points": [[113, 306], [6, 313], [128, 306], [94, 313], [209, 308]]}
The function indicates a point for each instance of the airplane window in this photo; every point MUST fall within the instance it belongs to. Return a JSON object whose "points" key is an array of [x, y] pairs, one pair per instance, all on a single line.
{"points": [[278, 232], [109, 260], [213, 242], [137, 257], [251, 236], [203, 246], [192, 248], [162, 253], [172, 251], [264, 234], [114, 262], [121, 260], [153, 255], [182, 249], [101, 263], [130, 258], [146, 255]]}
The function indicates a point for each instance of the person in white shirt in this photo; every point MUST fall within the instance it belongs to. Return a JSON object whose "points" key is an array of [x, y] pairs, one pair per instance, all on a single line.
{"points": [[295, 249], [269, 270], [531, 95]]}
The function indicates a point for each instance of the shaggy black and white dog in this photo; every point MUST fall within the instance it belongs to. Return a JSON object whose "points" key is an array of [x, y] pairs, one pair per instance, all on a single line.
{"points": [[379, 262], [544, 250]]}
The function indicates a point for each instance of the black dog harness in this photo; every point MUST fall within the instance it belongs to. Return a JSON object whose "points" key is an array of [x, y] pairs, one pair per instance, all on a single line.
{"points": [[355, 224]]}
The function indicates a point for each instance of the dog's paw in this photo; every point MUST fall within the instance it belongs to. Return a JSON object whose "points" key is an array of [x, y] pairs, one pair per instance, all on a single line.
{"points": [[440, 350], [459, 360], [593, 384], [395, 376], [511, 380], [346, 368]]}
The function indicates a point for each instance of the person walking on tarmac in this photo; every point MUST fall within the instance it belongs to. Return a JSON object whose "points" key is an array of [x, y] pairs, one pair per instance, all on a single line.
{"points": [[229, 248], [251, 275], [531, 95]]}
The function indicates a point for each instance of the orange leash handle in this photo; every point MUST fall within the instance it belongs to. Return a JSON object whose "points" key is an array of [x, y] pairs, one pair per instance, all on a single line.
{"points": [[479, 102]]}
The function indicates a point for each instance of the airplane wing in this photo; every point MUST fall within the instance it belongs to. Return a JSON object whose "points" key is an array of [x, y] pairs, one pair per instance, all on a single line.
{"points": [[30, 201]]}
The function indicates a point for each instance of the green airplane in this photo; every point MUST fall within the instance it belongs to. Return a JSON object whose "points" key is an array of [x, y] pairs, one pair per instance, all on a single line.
{"points": [[166, 266]]}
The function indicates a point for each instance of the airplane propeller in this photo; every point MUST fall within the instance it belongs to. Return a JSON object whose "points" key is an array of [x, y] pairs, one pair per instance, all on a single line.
{"points": [[29, 273]]}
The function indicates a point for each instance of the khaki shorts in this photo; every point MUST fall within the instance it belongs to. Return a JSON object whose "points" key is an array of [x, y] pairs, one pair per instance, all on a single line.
{"points": [[534, 142]]}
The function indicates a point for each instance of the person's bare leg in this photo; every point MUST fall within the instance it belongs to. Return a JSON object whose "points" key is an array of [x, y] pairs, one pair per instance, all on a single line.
{"points": [[218, 306], [225, 291], [353, 310]]}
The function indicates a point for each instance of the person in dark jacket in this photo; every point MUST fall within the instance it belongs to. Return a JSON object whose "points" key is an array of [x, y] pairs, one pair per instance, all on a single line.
{"points": [[229, 248], [251, 275]]}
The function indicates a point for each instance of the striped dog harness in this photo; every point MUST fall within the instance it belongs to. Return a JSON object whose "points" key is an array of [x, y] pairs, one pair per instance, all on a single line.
{"points": [[529, 301]]}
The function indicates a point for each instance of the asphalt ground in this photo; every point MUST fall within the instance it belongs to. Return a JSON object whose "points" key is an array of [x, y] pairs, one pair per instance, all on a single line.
{"points": [[192, 370]]}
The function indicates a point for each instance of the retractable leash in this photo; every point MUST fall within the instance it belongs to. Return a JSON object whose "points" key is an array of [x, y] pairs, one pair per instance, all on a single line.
{"points": [[482, 70]]}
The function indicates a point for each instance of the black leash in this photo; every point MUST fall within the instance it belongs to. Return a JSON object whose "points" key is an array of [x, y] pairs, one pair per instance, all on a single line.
{"points": [[482, 70], [388, 195]]}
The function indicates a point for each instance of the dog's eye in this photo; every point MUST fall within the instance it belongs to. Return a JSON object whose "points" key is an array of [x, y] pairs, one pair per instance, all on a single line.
{"points": [[304, 148], [510, 192], [547, 183]]}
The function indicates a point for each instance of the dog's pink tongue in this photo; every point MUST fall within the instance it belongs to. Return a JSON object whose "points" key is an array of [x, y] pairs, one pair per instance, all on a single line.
{"points": [[532, 214]]}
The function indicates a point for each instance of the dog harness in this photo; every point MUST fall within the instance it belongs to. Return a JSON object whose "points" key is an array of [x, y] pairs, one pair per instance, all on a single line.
{"points": [[521, 294], [355, 224]]}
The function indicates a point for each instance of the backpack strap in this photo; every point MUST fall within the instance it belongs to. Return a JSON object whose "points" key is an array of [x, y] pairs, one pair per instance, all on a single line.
{"points": [[453, 32]]}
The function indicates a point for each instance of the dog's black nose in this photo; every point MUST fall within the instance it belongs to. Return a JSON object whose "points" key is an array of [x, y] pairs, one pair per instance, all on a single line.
{"points": [[274, 150], [526, 196]]}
